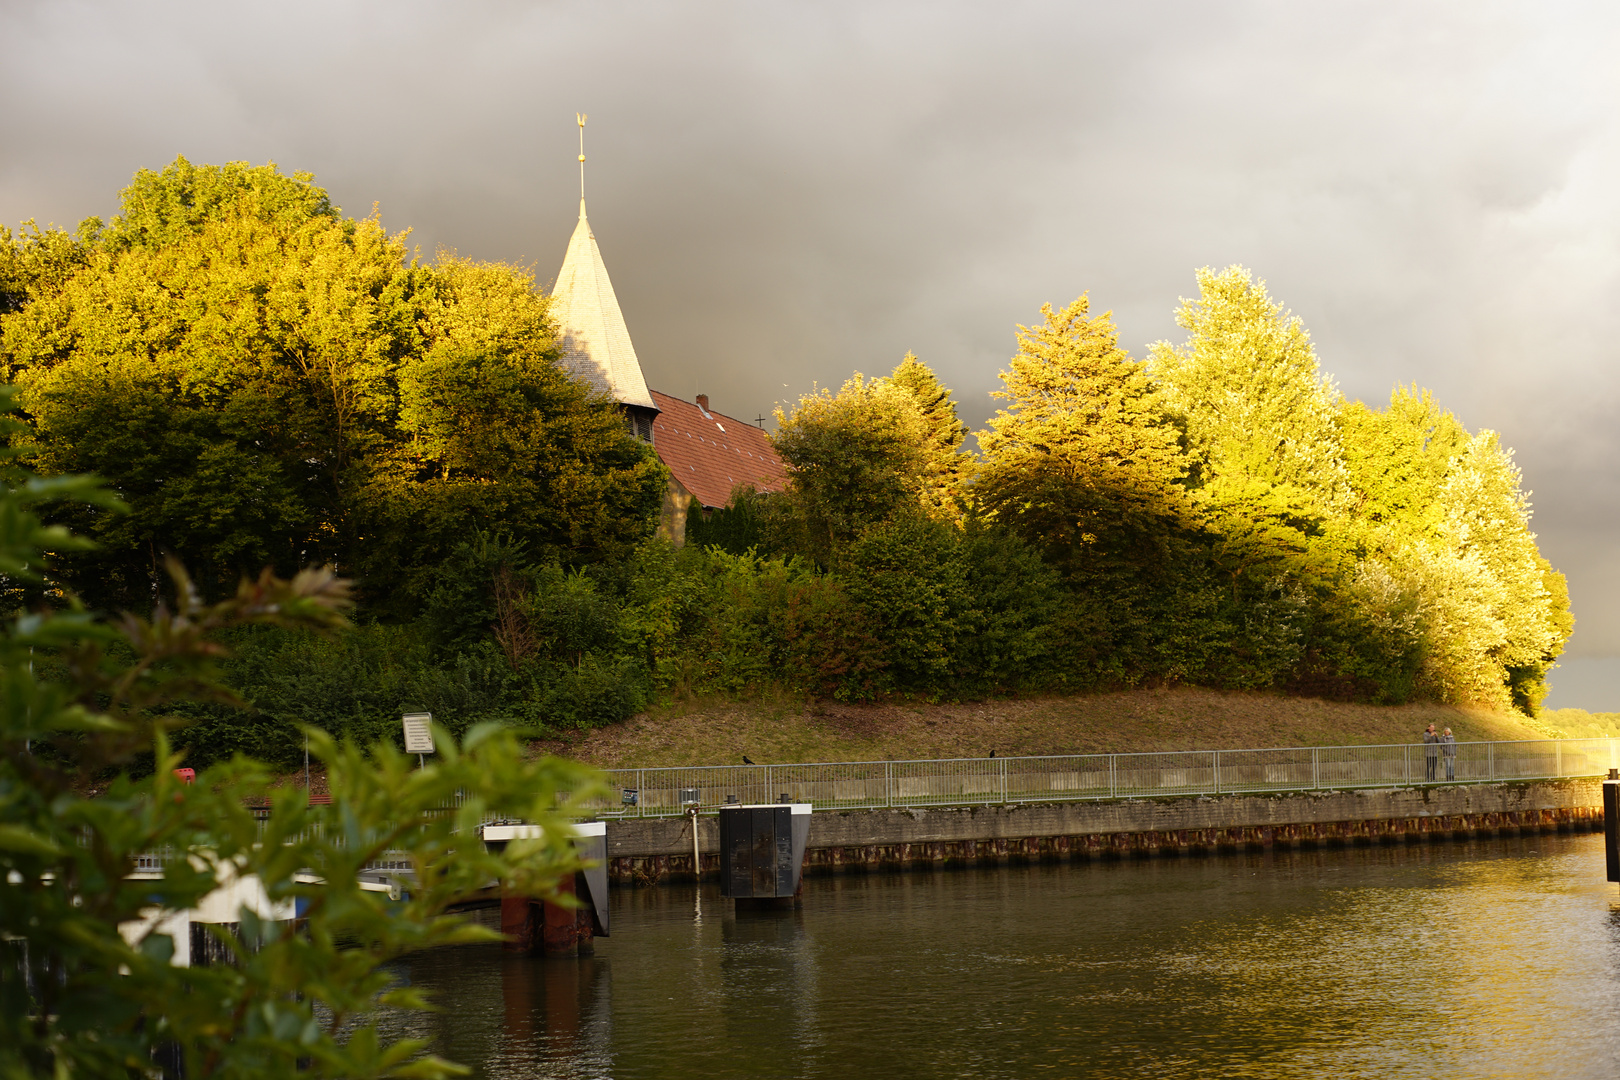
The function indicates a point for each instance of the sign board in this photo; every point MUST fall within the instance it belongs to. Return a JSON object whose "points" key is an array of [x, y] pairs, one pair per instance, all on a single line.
{"points": [[418, 733]]}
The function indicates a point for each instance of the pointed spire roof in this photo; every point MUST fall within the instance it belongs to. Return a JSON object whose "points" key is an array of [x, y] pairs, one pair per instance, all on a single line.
{"points": [[595, 342]]}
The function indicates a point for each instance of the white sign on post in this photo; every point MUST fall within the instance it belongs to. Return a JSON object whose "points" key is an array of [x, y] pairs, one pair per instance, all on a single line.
{"points": [[418, 733]]}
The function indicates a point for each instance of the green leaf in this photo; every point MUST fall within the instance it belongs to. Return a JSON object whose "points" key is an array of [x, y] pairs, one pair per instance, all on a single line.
{"points": [[21, 839]]}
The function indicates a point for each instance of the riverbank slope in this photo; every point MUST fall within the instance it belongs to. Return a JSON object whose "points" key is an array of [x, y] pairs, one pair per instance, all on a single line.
{"points": [[717, 731]]}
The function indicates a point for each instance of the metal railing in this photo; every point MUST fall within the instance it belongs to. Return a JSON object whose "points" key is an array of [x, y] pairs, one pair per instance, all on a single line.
{"points": [[871, 785]]}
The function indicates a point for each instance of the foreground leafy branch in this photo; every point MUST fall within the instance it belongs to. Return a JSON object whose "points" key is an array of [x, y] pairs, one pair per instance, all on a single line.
{"points": [[80, 998]]}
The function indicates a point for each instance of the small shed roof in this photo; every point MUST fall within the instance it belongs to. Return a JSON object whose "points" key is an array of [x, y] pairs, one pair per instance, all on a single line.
{"points": [[710, 453]]}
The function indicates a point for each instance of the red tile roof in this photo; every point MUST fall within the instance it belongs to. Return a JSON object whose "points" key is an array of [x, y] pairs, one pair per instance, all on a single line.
{"points": [[710, 453]]}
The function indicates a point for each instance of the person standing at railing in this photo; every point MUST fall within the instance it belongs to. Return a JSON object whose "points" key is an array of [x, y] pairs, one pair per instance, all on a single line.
{"points": [[1431, 754], [1448, 746]]}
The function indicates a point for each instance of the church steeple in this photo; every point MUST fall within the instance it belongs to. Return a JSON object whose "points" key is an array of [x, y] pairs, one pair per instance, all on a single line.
{"points": [[595, 341]]}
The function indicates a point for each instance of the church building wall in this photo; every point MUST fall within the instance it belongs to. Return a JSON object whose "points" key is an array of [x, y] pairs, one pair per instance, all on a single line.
{"points": [[678, 503]]}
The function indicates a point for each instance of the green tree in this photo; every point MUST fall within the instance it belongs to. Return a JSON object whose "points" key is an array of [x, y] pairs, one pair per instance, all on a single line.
{"points": [[87, 983], [737, 527], [946, 471], [158, 210], [493, 435], [1248, 391], [854, 459], [1005, 632], [1082, 462], [748, 623], [1397, 460], [1260, 424], [34, 263], [1442, 515], [265, 381], [908, 575], [1487, 523], [1527, 680], [229, 384]]}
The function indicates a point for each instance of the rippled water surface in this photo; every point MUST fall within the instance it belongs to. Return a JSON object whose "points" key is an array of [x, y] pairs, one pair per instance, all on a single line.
{"points": [[1488, 959]]}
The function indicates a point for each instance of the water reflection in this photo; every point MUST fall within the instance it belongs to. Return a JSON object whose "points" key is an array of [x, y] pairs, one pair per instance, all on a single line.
{"points": [[554, 1011], [768, 973], [1491, 958], [516, 1016]]}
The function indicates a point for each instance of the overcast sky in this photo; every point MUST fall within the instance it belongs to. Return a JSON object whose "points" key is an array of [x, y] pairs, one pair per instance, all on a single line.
{"points": [[785, 193]]}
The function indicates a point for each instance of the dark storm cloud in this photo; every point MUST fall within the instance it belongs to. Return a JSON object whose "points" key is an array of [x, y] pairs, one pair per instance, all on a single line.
{"points": [[785, 193]]}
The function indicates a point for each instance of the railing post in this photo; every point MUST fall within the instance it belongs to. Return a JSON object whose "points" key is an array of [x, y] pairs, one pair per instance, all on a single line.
{"points": [[1490, 758], [641, 795], [768, 797], [1003, 779], [1113, 777], [1316, 767], [1406, 764], [1558, 759], [1216, 771], [888, 784]]}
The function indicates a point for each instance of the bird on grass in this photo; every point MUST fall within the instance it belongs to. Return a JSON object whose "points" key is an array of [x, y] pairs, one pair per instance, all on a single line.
{"points": [[747, 760], [992, 752]]}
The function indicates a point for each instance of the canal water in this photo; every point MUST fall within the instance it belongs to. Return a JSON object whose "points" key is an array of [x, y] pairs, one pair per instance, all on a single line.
{"points": [[1493, 958]]}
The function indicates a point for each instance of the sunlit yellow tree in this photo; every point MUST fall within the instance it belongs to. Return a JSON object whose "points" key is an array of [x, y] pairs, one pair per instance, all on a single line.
{"points": [[854, 458], [266, 381], [1082, 462], [1261, 430], [946, 469], [1442, 515]]}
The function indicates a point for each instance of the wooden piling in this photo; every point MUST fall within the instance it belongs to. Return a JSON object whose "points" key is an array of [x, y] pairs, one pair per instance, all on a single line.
{"points": [[536, 927]]}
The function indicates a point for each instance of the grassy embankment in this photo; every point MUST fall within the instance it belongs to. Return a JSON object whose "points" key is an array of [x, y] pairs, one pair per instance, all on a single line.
{"points": [[719, 732]]}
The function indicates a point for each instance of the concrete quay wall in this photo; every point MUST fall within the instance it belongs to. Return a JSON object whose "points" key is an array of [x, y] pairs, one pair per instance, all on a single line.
{"points": [[647, 851]]}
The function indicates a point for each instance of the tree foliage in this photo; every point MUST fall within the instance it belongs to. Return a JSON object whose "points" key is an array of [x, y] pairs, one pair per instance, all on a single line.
{"points": [[1248, 391], [1219, 514], [945, 469], [88, 986], [1082, 462], [855, 458], [1442, 515], [876, 449], [265, 381], [1260, 424]]}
